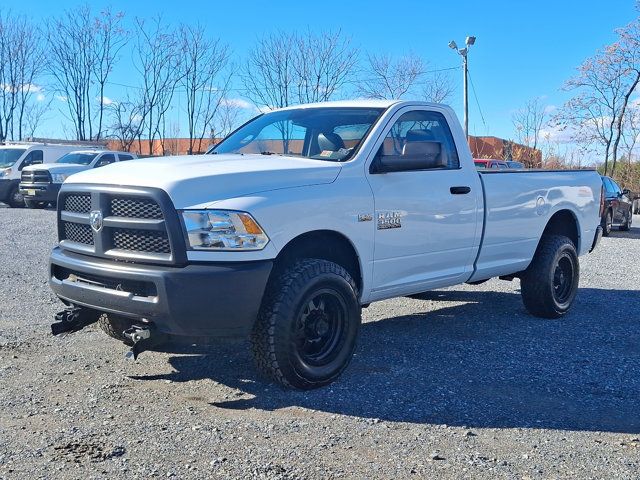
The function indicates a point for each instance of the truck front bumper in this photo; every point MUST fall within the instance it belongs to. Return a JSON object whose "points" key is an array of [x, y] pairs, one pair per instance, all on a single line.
{"points": [[195, 300], [40, 192]]}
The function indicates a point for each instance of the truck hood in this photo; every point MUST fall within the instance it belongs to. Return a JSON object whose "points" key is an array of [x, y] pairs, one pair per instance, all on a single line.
{"points": [[196, 181], [64, 168]]}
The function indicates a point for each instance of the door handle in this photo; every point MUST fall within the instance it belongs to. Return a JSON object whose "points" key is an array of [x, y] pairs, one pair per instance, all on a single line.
{"points": [[459, 190]]}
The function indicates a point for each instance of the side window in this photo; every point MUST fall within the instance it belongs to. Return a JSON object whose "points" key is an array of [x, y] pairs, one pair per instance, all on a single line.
{"points": [[123, 157], [616, 188], [608, 186], [34, 157], [105, 159], [494, 165], [420, 134]]}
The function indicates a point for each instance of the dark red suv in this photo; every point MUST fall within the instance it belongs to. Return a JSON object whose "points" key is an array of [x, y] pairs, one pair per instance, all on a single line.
{"points": [[617, 207]]}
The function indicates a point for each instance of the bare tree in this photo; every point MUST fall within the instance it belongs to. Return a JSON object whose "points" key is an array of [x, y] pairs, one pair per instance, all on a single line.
{"points": [[22, 55], [126, 126], [226, 119], [82, 51], [32, 116], [288, 68], [438, 87], [109, 38], [268, 75], [157, 58], [528, 123], [322, 65], [605, 83], [390, 78], [71, 64], [204, 59]]}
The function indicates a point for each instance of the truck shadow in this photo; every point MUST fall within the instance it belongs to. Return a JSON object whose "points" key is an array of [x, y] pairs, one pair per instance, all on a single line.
{"points": [[479, 361], [634, 233]]}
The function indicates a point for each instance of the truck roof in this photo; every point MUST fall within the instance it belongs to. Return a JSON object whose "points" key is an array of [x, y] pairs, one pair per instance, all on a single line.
{"points": [[362, 103]]}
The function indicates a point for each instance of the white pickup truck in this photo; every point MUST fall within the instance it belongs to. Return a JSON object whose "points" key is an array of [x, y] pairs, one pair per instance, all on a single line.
{"points": [[302, 217]]}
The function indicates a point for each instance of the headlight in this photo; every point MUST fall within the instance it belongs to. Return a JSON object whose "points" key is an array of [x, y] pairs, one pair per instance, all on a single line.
{"points": [[5, 173], [58, 177], [223, 230]]}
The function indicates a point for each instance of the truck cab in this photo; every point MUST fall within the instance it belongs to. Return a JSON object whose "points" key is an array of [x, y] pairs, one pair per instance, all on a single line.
{"points": [[40, 184]]}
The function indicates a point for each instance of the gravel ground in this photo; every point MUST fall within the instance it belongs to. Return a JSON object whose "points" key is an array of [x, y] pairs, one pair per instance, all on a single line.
{"points": [[460, 384]]}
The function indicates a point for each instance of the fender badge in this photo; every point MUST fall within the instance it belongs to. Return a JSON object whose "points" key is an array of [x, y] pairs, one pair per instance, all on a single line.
{"points": [[388, 220], [365, 217]]}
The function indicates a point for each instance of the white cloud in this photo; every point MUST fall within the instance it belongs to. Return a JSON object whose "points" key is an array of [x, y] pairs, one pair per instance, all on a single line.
{"points": [[238, 102], [40, 97], [557, 134], [105, 100], [62, 98]]}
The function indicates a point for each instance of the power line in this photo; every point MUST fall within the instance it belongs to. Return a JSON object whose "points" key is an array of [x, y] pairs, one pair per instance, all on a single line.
{"points": [[352, 82], [473, 89]]}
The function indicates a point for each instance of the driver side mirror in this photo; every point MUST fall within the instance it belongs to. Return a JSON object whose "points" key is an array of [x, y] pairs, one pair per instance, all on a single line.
{"points": [[626, 191]]}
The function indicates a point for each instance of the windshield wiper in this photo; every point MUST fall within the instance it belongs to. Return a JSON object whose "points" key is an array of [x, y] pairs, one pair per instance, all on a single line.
{"points": [[267, 153]]}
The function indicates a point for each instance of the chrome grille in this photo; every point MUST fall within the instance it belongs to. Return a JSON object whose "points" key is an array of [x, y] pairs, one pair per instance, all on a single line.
{"points": [[35, 176], [78, 203], [79, 233], [141, 241], [135, 208]]}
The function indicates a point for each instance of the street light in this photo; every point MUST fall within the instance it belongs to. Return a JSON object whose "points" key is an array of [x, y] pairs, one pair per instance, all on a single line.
{"points": [[463, 52]]}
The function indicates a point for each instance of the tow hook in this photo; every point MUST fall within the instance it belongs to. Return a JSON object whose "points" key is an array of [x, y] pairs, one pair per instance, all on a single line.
{"points": [[72, 319], [141, 338]]}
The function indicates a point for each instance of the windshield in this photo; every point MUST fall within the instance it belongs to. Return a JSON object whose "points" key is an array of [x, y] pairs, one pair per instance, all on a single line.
{"points": [[77, 158], [9, 156], [325, 133]]}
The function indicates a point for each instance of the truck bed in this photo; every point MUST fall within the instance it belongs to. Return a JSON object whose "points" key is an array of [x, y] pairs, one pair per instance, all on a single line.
{"points": [[519, 204]]}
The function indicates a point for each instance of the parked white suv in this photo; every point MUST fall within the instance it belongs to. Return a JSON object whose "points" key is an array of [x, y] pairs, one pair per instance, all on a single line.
{"points": [[14, 157], [40, 184]]}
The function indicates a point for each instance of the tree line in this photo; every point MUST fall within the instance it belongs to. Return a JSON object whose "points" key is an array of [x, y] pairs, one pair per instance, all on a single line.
{"points": [[601, 117], [73, 57]]}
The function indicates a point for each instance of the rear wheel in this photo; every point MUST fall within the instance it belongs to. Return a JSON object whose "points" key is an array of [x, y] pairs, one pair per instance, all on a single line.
{"points": [[607, 223], [626, 226], [306, 331], [15, 199], [550, 283], [113, 326]]}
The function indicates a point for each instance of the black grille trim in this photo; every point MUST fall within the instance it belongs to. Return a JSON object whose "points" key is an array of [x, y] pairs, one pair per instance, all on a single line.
{"points": [[77, 203], [136, 208], [79, 233], [35, 176], [140, 241]]}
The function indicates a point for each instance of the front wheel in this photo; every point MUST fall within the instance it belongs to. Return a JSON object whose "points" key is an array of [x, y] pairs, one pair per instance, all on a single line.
{"points": [[626, 226], [307, 327], [550, 284], [15, 199]]}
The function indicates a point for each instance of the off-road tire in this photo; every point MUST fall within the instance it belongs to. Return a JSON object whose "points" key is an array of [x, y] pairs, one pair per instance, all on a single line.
{"points": [[540, 294], [277, 328], [626, 226], [12, 199], [113, 326], [607, 221]]}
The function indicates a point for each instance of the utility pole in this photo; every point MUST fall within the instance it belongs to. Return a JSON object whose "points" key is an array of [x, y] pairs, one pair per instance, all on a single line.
{"points": [[464, 52]]}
